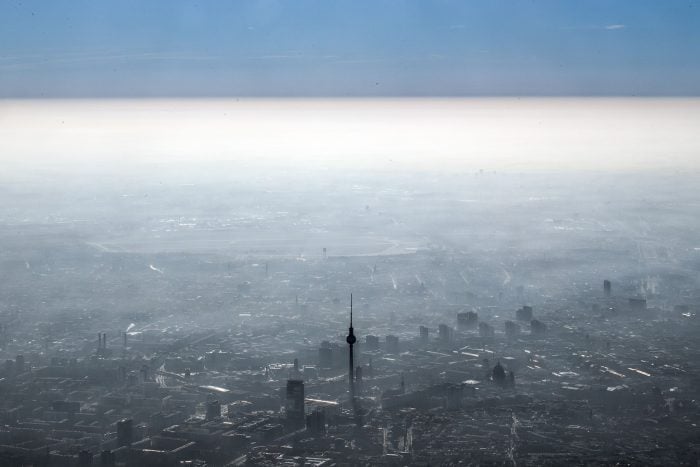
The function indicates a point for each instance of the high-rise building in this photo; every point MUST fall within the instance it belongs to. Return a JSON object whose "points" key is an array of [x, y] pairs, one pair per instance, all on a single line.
{"points": [[486, 331], [372, 342], [392, 344], [125, 432], [512, 329], [325, 357], [424, 333], [499, 374], [84, 458], [213, 410], [453, 396], [607, 288], [358, 379], [296, 371], [524, 314], [316, 422], [444, 333], [294, 404], [144, 373], [537, 327], [107, 458], [467, 320]]}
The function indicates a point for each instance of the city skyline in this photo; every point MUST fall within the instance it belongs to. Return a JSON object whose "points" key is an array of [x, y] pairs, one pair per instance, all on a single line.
{"points": [[506, 191]]}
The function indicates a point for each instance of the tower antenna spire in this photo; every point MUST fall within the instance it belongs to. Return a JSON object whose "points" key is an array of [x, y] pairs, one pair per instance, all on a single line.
{"points": [[351, 309]]}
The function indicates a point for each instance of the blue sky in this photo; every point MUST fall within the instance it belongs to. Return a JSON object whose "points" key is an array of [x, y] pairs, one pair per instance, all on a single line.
{"points": [[98, 48]]}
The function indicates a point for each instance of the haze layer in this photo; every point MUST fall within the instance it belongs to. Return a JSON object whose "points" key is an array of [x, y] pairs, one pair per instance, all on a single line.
{"points": [[394, 134]]}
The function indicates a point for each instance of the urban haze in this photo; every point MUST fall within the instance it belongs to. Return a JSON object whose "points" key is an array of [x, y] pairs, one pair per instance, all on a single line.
{"points": [[267, 234]]}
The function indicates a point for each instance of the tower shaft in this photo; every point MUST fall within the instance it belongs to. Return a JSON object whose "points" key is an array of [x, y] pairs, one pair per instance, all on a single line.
{"points": [[351, 339], [351, 373]]}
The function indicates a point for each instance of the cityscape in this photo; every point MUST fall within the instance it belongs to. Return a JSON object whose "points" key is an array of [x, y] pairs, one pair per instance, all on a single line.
{"points": [[540, 336], [349, 233]]}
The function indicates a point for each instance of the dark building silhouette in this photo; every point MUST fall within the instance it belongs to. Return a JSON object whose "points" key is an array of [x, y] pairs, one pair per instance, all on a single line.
{"points": [[156, 422], [325, 356], [607, 288], [637, 304], [145, 373], [213, 410], [512, 329], [486, 331], [657, 398], [316, 422], [84, 458], [524, 314], [66, 406], [445, 333], [9, 367], [294, 404], [296, 372], [358, 379], [392, 344], [424, 333], [498, 375], [125, 432], [537, 327], [107, 458], [454, 394], [467, 320], [372, 342], [462, 321]]}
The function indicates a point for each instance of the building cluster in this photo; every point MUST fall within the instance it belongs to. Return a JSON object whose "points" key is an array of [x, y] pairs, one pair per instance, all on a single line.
{"points": [[534, 386]]}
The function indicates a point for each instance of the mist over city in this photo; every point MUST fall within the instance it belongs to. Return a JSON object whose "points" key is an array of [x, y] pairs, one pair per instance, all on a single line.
{"points": [[268, 234]]}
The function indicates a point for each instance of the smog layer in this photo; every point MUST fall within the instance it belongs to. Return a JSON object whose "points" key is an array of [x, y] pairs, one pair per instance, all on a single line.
{"points": [[510, 306]]}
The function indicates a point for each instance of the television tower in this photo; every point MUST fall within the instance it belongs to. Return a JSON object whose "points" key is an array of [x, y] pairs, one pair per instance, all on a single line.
{"points": [[351, 339]]}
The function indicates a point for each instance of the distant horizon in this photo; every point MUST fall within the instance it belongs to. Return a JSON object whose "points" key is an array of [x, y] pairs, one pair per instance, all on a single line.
{"points": [[513, 134], [261, 97]]}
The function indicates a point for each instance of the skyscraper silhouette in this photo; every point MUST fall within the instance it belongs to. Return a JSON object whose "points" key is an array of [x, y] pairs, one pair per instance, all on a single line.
{"points": [[294, 405], [351, 339]]}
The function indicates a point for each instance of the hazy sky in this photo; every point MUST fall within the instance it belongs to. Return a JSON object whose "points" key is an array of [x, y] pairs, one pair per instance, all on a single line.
{"points": [[451, 134], [105, 48]]}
